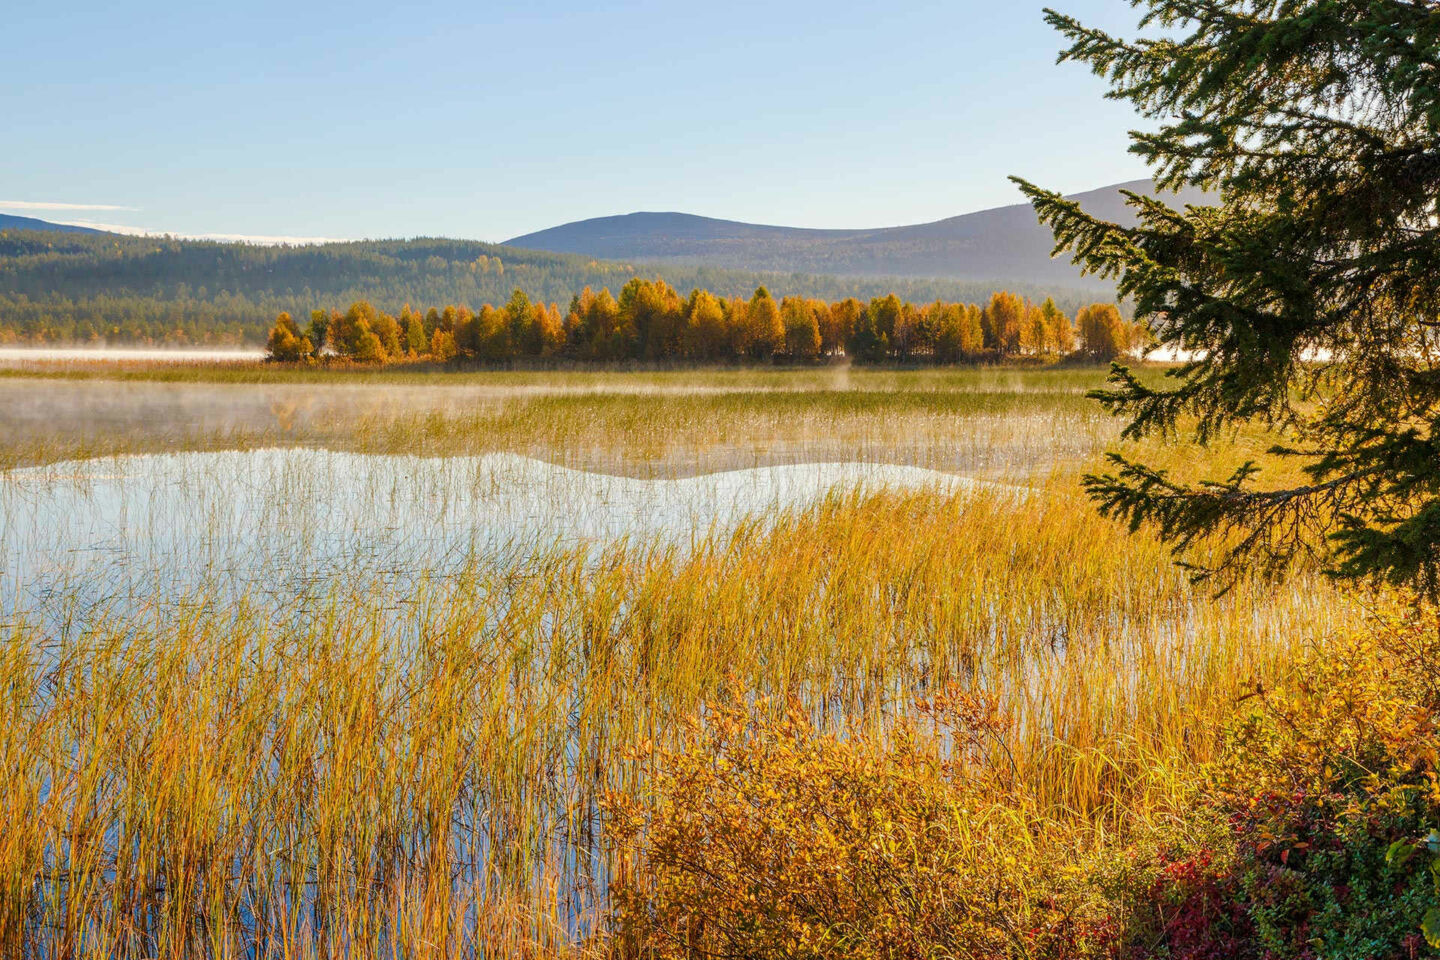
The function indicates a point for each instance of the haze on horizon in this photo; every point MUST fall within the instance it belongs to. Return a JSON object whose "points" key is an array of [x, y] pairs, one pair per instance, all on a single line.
{"points": [[320, 121]]}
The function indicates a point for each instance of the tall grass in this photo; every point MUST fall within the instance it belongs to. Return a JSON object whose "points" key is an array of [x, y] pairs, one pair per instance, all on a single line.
{"points": [[376, 772], [417, 765]]}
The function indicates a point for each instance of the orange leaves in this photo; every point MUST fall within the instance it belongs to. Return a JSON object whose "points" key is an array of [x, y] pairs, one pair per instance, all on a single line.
{"points": [[1361, 715], [767, 837]]}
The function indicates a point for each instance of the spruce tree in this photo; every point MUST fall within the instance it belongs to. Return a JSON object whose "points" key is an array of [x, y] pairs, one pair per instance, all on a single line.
{"points": [[1306, 293]]}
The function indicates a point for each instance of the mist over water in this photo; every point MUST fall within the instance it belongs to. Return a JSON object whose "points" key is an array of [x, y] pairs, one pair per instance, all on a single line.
{"points": [[22, 356]]}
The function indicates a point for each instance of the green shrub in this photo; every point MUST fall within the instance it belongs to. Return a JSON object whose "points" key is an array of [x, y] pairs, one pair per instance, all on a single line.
{"points": [[1328, 790]]}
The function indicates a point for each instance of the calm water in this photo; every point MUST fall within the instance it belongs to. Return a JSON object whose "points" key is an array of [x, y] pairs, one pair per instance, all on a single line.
{"points": [[281, 519], [132, 532]]}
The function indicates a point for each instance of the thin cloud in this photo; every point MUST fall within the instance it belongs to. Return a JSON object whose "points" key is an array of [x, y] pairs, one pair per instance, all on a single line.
{"points": [[48, 205], [261, 239], [107, 227]]}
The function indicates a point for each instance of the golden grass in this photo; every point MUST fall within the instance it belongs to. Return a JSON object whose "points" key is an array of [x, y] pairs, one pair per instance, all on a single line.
{"points": [[990, 421], [377, 771], [381, 774]]}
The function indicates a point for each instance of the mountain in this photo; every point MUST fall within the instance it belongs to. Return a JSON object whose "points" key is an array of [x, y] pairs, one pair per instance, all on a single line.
{"points": [[12, 222], [1000, 244]]}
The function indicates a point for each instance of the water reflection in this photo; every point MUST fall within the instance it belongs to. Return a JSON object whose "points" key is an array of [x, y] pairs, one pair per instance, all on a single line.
{"points": [[276, 519]]}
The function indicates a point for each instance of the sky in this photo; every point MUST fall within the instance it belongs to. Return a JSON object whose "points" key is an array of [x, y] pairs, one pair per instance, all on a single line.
{"points": [[300, 120]]}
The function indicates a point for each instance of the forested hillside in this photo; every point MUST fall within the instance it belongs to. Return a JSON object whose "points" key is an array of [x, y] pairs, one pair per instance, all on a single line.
{"points": [[57, 288]]}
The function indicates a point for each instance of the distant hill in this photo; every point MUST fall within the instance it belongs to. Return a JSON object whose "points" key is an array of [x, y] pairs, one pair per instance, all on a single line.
{"points": [[1000, 244], [12, 222]]}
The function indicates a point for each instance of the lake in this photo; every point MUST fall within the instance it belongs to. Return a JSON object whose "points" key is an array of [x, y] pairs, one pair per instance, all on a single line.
{"points": [[273, 519]]}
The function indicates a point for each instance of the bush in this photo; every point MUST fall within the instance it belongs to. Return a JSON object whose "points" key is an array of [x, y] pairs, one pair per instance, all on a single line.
{"points": [[1328, 790], [1312, 837], [769, 839]]}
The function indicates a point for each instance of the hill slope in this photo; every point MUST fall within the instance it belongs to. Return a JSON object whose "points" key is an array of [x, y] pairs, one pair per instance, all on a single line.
{"points": [[76, 287], [10, 221], [1000, 244]]}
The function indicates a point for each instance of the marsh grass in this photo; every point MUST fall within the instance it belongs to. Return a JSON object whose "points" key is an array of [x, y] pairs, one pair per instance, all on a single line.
{"points": [[975, 421], [369, 767], [601, 379], [374, 774]]}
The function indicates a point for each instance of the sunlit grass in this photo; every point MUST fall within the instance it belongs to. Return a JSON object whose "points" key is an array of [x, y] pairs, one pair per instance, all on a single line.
{"points": [[366, 768], [969, 421], [370, 768], [604, 379]]}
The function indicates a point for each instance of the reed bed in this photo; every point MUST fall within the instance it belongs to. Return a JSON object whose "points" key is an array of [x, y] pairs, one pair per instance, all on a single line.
{"points": [[372, 772], [979, 422], [575, 378], [419, 753]]}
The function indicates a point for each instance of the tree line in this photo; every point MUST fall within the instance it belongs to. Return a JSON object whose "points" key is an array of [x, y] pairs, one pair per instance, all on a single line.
{"points": [[75, 288], [650, 321]]}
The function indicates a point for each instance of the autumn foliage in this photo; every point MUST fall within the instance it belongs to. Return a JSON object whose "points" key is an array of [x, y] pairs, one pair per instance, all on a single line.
{"points": [[772, 839], [651, 322], [286, 342], [1314, 834], [1330, 793]]}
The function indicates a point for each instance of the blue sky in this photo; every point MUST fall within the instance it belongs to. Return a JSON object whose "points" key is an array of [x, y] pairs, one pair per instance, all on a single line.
{"points": [[486, 121]]}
